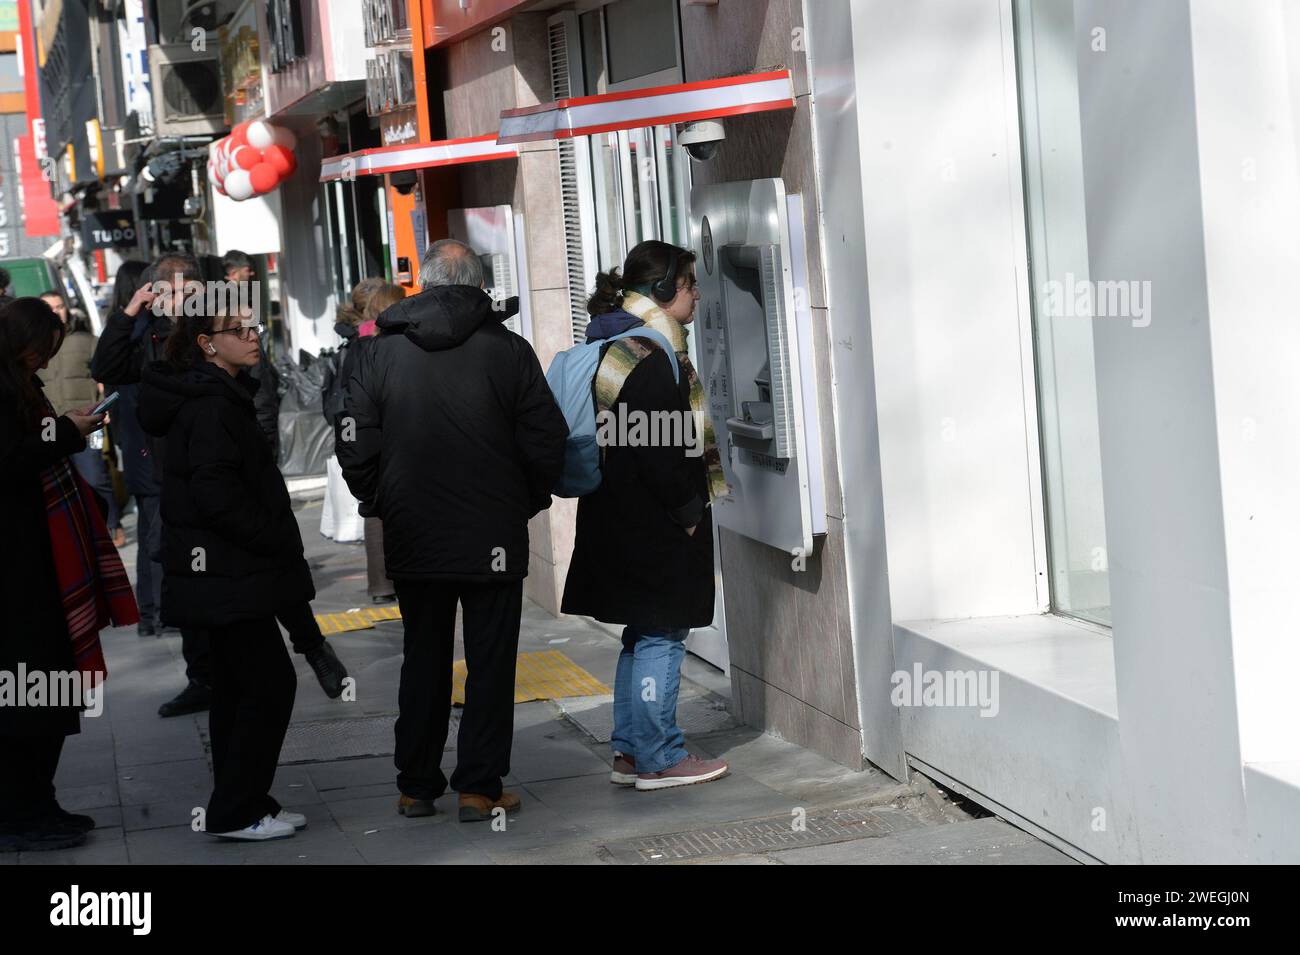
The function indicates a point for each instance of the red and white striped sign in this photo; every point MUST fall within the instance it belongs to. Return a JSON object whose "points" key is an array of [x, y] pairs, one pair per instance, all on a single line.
{"points": [[446, 152], [653, 106]]}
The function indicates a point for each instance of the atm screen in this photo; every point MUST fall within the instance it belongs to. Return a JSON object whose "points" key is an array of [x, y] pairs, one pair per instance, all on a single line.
{"points": [[750, 301]]}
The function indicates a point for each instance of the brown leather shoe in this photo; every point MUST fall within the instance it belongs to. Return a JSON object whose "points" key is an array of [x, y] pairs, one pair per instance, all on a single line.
{"points": [[411, 807], [476, 808]]}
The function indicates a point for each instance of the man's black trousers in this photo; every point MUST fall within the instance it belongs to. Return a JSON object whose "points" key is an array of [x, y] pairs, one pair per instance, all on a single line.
{"points": [[491, 631]]}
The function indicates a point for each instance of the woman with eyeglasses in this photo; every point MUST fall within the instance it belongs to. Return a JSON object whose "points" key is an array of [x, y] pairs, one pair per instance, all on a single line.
{"points": [[643, 545], [232, 558]]}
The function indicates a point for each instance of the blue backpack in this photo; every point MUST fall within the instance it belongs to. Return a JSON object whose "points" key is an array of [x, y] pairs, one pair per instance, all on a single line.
{"points": [[572, 377]]}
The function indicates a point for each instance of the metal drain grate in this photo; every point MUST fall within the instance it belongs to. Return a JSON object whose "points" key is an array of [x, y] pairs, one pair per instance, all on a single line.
{"points": [[321, 741], [764, 835], [698, 713]]}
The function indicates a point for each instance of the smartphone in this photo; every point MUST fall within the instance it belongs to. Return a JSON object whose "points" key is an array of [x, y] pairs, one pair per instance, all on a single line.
{"points": [[106, 403]]}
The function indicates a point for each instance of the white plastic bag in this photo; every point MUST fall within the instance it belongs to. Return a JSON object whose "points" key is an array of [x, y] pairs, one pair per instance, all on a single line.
{"points": [[340, 515]]}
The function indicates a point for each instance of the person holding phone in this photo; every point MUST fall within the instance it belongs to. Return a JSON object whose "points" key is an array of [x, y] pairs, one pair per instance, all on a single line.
{"points": [[133, 338], [68, 385], [137, 469], [62, 582]]}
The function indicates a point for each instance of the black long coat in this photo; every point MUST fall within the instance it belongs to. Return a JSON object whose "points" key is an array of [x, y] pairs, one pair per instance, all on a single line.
{"points": [[231, 549], [633, 561], [34, 630]]}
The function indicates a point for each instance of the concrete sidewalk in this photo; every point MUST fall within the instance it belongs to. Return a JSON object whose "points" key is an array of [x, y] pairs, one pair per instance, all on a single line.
{"points": [[143, 777]]}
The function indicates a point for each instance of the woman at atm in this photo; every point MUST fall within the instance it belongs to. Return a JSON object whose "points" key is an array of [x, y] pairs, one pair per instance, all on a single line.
{"points": [[643, 550]]}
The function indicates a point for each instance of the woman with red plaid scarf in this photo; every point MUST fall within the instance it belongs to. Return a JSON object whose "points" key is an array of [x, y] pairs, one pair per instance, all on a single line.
{"points": [[62, 583]]}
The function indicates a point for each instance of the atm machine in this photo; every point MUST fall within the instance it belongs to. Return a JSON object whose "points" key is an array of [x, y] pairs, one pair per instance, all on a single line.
{"points": [[496, 233], [755, 343]]}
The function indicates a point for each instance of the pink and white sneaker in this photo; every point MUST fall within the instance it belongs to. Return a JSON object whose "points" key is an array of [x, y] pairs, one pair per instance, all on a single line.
{"points": [[688, 772], [624, 772]]}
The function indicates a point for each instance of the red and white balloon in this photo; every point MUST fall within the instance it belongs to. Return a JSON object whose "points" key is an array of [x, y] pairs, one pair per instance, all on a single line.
{"points": [[254, 159]]}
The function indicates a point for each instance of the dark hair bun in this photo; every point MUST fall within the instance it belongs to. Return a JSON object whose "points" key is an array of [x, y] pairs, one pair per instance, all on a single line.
{"points": [[608, 294]]}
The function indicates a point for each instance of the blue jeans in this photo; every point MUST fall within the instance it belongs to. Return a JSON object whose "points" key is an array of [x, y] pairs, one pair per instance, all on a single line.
{"points": [[645, 699]]}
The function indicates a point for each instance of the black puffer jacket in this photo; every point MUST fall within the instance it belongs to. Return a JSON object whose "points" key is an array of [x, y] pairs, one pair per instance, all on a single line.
{"points": [[456, 440], [221, 492]]}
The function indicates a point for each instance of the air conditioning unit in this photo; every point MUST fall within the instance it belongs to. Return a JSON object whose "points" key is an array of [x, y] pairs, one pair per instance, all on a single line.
{"points": [[187, 94]]}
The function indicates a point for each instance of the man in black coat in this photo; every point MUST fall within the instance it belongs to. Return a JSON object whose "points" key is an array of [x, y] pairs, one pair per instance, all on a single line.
{"points": [[451, 436]]}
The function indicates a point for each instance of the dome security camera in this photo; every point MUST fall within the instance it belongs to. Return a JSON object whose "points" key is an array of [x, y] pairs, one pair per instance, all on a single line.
{"points": [[701, 139]]}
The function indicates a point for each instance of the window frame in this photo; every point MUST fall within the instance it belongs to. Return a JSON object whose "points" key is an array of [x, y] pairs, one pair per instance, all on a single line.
{"points": [[1044, 503]]}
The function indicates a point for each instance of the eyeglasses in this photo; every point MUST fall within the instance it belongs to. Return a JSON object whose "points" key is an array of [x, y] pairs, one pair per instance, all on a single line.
{"points": [[243, 332]]}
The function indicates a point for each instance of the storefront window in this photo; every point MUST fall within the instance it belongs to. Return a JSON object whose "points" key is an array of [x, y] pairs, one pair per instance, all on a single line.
{"points": [[638, 183], [1063, 316], [343, 261], [357, 220]]}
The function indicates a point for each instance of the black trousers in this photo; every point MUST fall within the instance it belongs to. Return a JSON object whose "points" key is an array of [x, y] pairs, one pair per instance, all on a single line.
{"points": [[253, 687], [196, 648], [148, 572], [491, 626], [27, 766]]}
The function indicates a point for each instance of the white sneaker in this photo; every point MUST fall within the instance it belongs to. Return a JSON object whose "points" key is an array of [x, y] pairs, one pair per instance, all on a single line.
{"points": [[295, 819], [268, 827]]}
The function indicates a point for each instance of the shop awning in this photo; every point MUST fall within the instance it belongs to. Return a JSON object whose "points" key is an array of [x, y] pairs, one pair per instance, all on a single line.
{"points": [[653, 106], [444, 152]]}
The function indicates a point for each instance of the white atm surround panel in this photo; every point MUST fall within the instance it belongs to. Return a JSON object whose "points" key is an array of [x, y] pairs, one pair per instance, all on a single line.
{"points": [[755, 339], [496, 233]]}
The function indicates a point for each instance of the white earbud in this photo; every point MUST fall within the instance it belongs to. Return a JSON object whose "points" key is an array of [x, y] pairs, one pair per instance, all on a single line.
{"points": [[211, 350]]}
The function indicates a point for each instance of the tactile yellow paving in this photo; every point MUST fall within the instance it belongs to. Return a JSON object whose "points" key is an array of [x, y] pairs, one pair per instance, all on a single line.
{"points": [[356, 619], [544, 675]]}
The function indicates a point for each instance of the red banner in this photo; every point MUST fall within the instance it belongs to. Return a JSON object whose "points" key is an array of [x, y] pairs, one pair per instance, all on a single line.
{"points": [[40, 212]]}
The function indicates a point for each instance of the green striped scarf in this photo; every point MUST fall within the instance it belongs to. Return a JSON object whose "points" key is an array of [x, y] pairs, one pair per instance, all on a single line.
{"points": [[623, 356]]}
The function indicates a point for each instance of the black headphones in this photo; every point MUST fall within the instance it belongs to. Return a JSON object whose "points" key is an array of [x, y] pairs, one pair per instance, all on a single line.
{"points": [[665, 290]]}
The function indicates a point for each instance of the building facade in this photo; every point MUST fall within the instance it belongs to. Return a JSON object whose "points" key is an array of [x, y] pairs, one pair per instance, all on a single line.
{"points": [[993, 320], [1053, 464]]}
